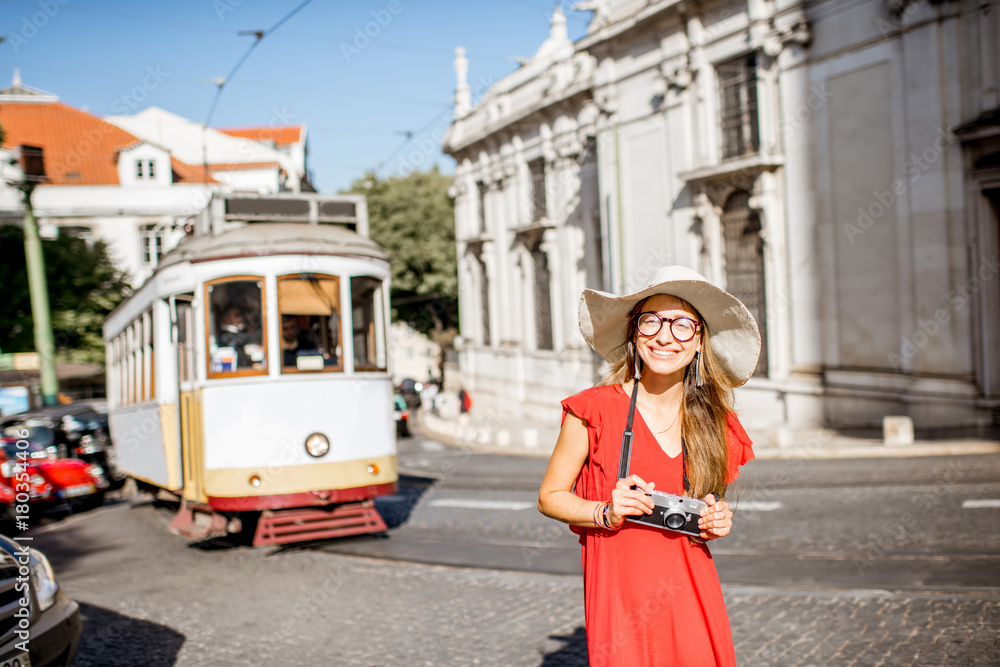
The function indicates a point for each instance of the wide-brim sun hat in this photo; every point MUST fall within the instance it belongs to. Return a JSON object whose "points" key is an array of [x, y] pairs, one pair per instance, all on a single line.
{"points": [[733, 330]]}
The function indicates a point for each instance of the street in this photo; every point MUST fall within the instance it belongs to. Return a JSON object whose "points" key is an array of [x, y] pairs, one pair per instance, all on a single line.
{"points": [[840, 562]]}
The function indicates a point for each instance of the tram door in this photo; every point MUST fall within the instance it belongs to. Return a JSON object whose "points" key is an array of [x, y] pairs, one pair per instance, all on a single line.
{"points": [[189, 399]]}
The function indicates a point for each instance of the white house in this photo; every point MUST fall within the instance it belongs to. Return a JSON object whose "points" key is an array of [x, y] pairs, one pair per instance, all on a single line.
{"points": [[240, 162], [140, 182], [835, 165]]}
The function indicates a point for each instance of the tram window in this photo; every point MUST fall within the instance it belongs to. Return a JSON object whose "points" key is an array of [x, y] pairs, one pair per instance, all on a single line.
{"points": [[309, 305], [368, 324], [236, 338]]}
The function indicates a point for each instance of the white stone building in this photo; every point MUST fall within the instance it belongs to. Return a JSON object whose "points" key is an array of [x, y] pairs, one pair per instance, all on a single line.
{"points": [[834, 164]]}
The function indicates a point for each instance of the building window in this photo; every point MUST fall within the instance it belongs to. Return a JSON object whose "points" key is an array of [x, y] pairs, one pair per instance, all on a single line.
{"points": [[138, 169], [309, 306], [151, 237], [543, 303], [150, 169], [481, 190], [484, 299], [237, 340], [738, 107], [539, 206], [744, 255]]}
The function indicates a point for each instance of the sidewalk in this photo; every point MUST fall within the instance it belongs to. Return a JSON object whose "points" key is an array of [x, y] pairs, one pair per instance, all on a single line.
{"points": [[482, 433]]}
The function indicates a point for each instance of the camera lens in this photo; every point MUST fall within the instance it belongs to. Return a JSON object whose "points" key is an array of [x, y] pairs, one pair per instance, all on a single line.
{"points": [[674, 520]]}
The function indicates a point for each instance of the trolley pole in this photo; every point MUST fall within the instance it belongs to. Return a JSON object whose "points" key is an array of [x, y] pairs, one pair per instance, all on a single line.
{"points": [[34, 173]]}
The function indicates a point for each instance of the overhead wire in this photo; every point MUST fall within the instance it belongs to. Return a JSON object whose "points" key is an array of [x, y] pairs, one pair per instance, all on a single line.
{"points": [[259, 37]]}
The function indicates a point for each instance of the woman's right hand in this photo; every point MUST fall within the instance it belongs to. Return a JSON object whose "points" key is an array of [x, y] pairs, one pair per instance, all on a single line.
{"points": [[626, 501]]}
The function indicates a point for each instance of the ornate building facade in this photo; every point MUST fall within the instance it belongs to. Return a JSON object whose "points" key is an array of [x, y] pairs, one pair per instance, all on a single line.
{"points": [[833, 164]]}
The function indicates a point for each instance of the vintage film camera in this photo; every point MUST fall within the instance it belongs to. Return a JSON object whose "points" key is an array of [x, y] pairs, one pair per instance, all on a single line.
{"points": [[676, 513]]}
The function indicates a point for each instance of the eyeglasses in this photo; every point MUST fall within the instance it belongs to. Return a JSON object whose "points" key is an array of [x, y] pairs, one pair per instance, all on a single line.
{"points": [[682, 329]]}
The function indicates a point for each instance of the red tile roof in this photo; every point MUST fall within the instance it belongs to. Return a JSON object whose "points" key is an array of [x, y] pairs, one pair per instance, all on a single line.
{"points": [[281, 136], [80, 149], [189, 173]]}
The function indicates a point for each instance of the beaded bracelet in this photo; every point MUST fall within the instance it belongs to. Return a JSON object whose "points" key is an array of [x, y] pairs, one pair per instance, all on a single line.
{"points": [[607, 518]]}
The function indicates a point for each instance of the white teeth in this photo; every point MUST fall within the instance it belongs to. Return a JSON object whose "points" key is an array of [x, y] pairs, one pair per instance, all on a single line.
{"points": [[663, 353]]}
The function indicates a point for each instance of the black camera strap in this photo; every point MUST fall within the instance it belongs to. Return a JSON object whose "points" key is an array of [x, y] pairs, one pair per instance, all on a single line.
{"points": [[626, 456]]}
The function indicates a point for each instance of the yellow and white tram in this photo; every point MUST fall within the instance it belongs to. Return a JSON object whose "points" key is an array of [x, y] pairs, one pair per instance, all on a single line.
{"points": [[249, 376]]}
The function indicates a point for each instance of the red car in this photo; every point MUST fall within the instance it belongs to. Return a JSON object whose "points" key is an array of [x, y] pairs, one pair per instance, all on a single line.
{"points": [[51, 481]]}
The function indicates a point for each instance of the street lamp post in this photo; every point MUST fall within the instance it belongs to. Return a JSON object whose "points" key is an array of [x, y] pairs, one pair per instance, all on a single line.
{"points": [[33, 173]]}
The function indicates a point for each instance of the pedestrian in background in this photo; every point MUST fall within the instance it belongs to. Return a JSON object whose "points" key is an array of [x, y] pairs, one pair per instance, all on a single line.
{"points": [[677, 349], [464, 405]]}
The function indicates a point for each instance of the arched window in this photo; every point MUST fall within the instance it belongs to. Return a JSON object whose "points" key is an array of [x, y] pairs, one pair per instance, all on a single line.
{"points": [[745, 263], [542, 297]]}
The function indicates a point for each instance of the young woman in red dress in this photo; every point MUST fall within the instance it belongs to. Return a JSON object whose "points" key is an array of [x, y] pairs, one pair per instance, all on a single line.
{"points": [[652, 596]]}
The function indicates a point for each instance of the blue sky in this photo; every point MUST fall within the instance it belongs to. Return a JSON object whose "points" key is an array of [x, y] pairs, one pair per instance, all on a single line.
{"points": [[356, 100]]}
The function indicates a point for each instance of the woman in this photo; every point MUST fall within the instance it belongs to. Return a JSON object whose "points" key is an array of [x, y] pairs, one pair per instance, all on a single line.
{"points": [[680, 346]]}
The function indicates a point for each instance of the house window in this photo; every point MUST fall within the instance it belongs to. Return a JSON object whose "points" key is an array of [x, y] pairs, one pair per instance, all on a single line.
{"points": [[738, 107], [151, 238], [744, 255], [150, 169], [138, 169], [539, 206]]}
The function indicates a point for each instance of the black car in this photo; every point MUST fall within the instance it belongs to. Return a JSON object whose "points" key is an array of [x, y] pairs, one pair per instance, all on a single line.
{"points": [[38, 622], [410, 391]]}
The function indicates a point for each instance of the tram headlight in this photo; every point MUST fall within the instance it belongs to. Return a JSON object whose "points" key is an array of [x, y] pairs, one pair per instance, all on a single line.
{"points": [[317, 445]]}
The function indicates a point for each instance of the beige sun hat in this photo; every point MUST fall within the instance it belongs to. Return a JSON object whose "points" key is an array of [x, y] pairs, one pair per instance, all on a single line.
{"points": [[735, 337]]}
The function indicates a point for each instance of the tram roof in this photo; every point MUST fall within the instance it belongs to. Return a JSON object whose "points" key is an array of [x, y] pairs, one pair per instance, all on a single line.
{"points": [[276, 238]]}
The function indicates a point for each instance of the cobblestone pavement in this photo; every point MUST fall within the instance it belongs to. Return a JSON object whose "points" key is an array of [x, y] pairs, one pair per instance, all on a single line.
{"points": [[149, 598]]}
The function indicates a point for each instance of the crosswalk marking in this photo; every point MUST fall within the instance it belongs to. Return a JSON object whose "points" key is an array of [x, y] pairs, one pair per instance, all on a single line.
{"points": [[980, 503], [471, 504]]}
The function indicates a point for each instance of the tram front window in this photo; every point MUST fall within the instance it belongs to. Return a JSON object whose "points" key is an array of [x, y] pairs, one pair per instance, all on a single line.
{"points": [[309, 305], [369, 324], [236, 341]]}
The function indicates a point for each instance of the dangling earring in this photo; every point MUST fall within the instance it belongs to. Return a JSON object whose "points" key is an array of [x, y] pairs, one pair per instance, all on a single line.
{"points": [[635, 361], [698, 378]]}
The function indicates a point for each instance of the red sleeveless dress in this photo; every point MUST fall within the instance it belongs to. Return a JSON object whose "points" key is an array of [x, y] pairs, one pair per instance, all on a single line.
{"points": [[650, 596]]}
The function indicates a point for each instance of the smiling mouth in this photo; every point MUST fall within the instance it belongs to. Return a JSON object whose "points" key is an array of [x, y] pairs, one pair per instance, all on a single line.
{"points": [[663, 354]]}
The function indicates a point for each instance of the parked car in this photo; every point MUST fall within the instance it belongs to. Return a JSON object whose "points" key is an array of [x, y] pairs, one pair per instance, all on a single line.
{"points": [[410, 391], [52, 481], [402, 413], [53, 620], [73, 431]]}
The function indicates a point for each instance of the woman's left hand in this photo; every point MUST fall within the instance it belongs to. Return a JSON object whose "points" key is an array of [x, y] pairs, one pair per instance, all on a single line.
{"points": [[716, 519]]}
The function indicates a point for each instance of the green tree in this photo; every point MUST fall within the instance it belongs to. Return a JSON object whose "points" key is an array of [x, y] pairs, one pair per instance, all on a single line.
{"points": [[413, 218], [83, 285]]}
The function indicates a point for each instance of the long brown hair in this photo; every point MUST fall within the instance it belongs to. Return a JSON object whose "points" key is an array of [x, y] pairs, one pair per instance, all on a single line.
{"points": [[705, 408]]}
